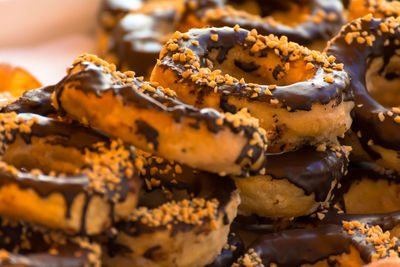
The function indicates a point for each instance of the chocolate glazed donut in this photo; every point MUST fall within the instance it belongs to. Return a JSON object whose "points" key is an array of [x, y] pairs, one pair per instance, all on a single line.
{"points": [[378, 8], [153, 119], [183, 218], [347, 244], [369, 48], [318, 19], [299, 95], [60, 175], [295, 183]]}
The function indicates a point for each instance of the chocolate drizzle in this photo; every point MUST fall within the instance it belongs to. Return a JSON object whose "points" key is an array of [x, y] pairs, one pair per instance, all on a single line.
{"points": [[313, 171], [296, 96], [36, 101], [355, 57]]}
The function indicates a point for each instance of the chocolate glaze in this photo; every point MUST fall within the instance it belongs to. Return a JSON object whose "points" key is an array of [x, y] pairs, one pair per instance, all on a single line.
{"points": [[304, 33], [313, 171], [308, 246], [67, 135], [15, 236], [139, 37], [36, 101], [229, 255], [93, 80], [358, 172], [356, 58], [297, 96]]}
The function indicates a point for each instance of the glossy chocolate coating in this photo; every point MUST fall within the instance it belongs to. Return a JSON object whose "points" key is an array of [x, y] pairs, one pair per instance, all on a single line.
{"points": [[36, 101], [304, 33], [357, 58], [297, 96], [308, 246], [313, 171]]}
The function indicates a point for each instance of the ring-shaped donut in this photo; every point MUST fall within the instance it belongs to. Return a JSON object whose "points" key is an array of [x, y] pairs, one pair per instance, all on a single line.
{"points": [[153, 119], [309, 23], [64, 176], [182, 211], [369, 48], [299, 95], [295, 183]]}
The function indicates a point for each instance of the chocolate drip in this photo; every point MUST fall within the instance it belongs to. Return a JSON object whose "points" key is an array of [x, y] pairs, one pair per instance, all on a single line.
{"points": [[36, 101], [313, 171], [247, 67], [297, 96], [148, 132], [366, 112]]}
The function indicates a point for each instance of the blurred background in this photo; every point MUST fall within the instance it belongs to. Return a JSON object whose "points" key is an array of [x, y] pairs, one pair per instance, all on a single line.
{"points": [[45, 36]]}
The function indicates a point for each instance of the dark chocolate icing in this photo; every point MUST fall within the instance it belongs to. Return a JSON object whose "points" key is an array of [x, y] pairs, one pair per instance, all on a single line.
{"points": [[304, 33], [313, 171], [356, 58], [36, 101], [297, 96]]}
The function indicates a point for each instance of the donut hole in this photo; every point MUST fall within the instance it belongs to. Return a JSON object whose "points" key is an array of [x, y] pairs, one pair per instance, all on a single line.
{"points": [[383, 81], [41, 154], [289, 13], [268, 69]]}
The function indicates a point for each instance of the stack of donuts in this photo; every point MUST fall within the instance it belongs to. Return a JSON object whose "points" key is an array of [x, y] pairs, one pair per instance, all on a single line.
{"points": [[213, 133]]}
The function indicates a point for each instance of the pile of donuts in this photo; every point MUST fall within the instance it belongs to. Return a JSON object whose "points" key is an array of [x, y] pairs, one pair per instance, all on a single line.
{"points": [[213, 133]]}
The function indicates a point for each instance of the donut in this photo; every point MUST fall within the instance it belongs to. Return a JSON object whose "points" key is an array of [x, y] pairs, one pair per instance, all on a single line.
{"points": [[23, 244], [153, 119], [64, 176], [349, 244], [309, 23], [308, 104], [14, 81], [368, 189], [37, 101], [295, 183], [176, 223], [378, 8], [136, 40], [368, 48]]}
